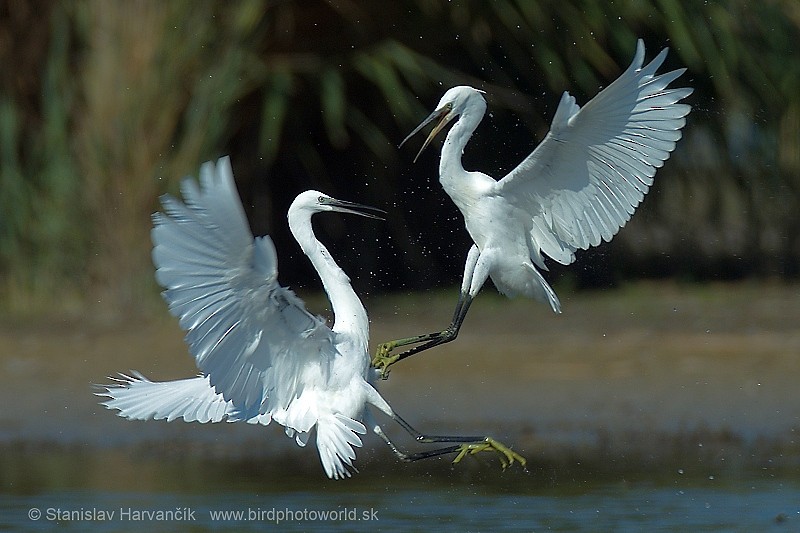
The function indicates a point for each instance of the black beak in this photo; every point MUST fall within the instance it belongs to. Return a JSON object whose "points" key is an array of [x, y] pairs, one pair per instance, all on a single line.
{"points": [[443, 115], [357, 209]]}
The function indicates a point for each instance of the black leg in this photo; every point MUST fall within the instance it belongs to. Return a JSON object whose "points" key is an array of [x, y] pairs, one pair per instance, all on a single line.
{"points": [[420, 437], [411, 457], [465, 445], [442, 337], [470, 285], [382, 360]]}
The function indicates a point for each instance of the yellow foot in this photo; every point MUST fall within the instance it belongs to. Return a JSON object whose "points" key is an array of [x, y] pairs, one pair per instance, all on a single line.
{"points": [[507, 455], [382, 360]]}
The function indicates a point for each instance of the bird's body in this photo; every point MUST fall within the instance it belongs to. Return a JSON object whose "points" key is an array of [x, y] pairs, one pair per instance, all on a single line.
{"points": [[503, 234], [261, 354], [578, 187]]}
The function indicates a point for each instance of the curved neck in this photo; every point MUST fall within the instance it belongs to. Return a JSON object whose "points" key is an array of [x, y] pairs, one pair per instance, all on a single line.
{"points": [[450, 167], [349, 313]]}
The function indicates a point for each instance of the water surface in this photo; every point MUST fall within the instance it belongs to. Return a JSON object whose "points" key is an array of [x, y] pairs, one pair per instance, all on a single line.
{"points": [[112, 491]]}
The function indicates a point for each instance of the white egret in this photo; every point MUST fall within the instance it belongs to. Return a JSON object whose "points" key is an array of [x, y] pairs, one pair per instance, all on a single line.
{"points": [[578, 187], [261, 354]]}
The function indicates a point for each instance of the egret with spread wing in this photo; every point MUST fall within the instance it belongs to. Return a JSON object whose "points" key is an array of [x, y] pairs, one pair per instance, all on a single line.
{"points": [[578, 187], [261, 354]]}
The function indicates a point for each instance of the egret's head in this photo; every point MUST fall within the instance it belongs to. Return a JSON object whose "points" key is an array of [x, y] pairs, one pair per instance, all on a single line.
{"points": [[316, 202], [454, 103]]}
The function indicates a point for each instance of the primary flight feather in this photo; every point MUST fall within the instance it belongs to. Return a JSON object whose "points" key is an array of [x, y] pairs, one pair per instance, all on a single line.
{"points": [[261, 354], [578, 187]]}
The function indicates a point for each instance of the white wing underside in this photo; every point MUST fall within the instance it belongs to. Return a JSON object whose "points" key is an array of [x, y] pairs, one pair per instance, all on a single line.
{"points": [[192, 400], [195, 400], [586, 178], [249, 335], [252, 339]]}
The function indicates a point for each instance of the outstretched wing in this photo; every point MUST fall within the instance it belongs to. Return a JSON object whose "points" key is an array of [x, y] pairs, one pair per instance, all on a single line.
{"points": [[138, 398], [250, 336], [195, 400], [591, 171]]}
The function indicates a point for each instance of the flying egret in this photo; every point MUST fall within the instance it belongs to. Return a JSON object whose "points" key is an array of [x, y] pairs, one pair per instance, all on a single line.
{"points": [[261, 354], [578, 187]]}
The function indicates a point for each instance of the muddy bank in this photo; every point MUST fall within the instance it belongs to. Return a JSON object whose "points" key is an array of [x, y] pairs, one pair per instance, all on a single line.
{"points": [[650, 373]]}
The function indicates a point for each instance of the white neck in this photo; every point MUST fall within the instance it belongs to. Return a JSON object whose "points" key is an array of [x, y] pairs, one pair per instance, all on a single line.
{"points": [[451, 171], [349, 313]]}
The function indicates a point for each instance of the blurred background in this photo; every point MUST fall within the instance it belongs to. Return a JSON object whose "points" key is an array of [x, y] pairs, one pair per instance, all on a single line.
{"points": [[106, 105], [669, 402]]}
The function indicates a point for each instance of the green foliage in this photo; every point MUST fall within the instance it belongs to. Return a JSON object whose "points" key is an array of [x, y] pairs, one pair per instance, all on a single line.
{"points": [[116, 100], [41, 242]]}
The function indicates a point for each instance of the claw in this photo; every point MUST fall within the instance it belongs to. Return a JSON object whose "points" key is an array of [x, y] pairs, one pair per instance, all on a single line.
{"points": [[507, 455], [382, 360]]}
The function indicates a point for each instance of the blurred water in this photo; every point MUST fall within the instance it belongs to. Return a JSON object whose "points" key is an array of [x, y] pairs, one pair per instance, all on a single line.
{"points": [[684, 418], [757, 507], [67, 492]]}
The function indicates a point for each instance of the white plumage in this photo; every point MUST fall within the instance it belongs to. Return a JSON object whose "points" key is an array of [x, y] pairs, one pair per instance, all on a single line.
{"points": [[591, 171], [578, 187], [261, 354]]}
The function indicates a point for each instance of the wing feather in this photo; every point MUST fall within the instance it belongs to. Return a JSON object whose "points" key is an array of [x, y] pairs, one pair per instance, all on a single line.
{"points": [[594, 167], [193, 400], [249, 335]]}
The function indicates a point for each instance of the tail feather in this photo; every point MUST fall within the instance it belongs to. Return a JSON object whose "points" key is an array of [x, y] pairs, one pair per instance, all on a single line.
{"points": [[544, 292], [194, 399], [337, 435]]}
